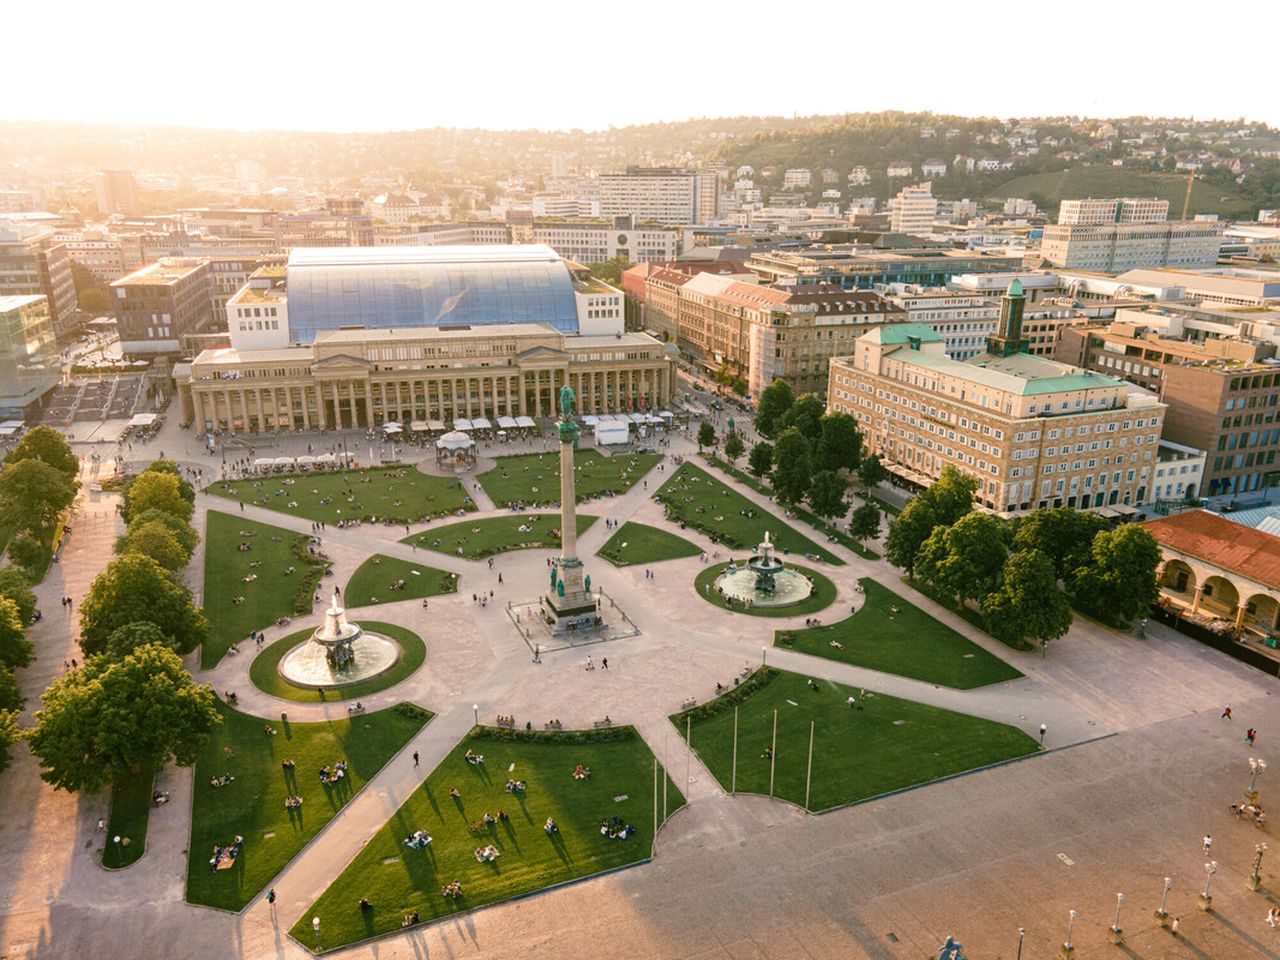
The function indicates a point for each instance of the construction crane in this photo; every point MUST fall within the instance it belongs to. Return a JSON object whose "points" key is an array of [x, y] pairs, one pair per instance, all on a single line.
{"points": [[1186, 199]]}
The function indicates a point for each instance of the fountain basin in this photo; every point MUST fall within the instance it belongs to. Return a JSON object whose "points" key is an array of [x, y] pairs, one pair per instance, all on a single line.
{"points": [[743, 584], [307, 664]]}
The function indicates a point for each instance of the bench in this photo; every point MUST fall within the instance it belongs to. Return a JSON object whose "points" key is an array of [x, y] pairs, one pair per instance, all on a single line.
{"points": [[689, 702], [600, 724], [551, 726], [509, 724]]}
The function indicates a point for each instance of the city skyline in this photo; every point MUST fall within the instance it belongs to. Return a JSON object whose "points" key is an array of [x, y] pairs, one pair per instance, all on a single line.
{"points": [[652, 71]]}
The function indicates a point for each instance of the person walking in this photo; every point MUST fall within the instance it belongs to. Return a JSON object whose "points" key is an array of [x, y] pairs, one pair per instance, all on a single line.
{"points": [[1251, 736], [1226, 713], [1177, 923], [415, 758], [1208, 844], [604, 663], [590, 665], [271, 898]]}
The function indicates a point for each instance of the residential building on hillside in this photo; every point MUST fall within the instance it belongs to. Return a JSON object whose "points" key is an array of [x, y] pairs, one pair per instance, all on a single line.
{"points": [[933, 168], [797, 178], [1035, 433], [899, 168], [117, 192], [29, 365], [662, 194], [914, 210]]}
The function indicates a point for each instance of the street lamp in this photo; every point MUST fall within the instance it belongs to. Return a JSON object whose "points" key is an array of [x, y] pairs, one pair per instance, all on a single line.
{"points": [[764, 655], [1206, 898], [1022, 932], [1043, 729], [475, 711], [1256, 768], [1116, 934], [1162, 915], [315, 925], [1067, 948], [1255, 879]]}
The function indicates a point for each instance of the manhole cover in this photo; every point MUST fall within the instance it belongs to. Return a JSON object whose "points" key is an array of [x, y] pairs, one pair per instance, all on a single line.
{"points": [[891, 937]]}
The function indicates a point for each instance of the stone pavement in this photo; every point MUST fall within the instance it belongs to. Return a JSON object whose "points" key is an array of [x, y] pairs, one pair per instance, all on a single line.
{"points": [[977, 856]]}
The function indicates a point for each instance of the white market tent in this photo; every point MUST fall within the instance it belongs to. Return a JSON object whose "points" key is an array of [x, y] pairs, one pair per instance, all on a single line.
{"points": [[421, 426], [324, 458], [612, 433], [14, 424], [590, 419], [392, 428], [435, 425], [462, 423], [283, 461], [507, 423], [306, 461], [264, 462], [7, 431], [525, 422], [455, 440], [142, 420], [481, 423], [638, 418]]}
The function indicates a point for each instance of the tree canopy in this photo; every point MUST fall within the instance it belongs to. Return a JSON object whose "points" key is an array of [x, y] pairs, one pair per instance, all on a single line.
{"points": [[124, 640], [965, 558], [46, 444], [1027, 602], [177, 526], [1062, 534], [760, 459], [826, 494], [33, 493], [15, 649], [733, 446], [17, 588], [839, 444], [154, 540], [1118, 581], [865, 523], [706, 435], [806, 416], [156, 490], [10, 693], [872, 472], [908, 532], [133, 588], [111, 718], [792, 469], [775, 400], [9, 734]]}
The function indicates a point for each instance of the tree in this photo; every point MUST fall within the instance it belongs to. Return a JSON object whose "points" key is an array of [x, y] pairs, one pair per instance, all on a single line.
{"points": [[1062, 534], [733, 446], [951, 494], [124, 640], [9, 734], [908, 532], [47, 444], [10, 694], [872, 472], [28, 553], [1118, 581], [806, 416], [840, 444], [176, 525], [1027, 603], [154, 540], [133, 588], [775, 400], [155, 490], [760, 459], [15, 649], [113, 718], [706, 435], [965, 558], [865, 523], [18, 589], [792, 470], [33, 493], [94, 301], [171, 467], [826, 494]]}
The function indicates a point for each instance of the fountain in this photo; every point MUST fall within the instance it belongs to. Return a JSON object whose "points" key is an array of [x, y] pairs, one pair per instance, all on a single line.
{"points": [[339, 653], [764, 581]]}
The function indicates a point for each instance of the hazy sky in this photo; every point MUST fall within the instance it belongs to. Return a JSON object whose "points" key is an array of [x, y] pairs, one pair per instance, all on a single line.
{"points": [[380, 65]]}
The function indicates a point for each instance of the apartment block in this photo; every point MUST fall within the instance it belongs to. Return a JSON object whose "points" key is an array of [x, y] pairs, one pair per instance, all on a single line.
{"points": [[661, 194], [160, 304], [34, 263], [914, 210], [117, 192]]}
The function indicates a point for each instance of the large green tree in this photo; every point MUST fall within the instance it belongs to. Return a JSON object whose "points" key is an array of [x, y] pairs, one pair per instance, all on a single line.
{"points": [[124, 640], [171, 467], [10, 693], [176, 525], [15, 649], [133, 588], [826, 494], [17, 588], [792, 467], [733, 446], [964, 559], [806, 416], [1118, 580], [1063, 534], [156, 490], [706, 435], [9, 735], [760, 459], [154, 540], [28, 553], [872, 472], [952, 494], [1027, 602], [47, 444], [33, 493], [840, 443], [771, 408], [112, 718], [908, 532], [865, 523]]}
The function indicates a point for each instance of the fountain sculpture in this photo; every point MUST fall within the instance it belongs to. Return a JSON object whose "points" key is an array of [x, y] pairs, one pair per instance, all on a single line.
{"points": [[764, 581], [339, 653]]}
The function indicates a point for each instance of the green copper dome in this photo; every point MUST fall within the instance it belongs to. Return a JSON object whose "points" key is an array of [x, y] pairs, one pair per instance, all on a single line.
{"points": [[1015, 288]]}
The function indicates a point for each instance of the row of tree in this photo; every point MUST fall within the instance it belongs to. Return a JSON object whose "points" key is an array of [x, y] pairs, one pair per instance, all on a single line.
{"points": [[1016, 571], [133, 705], [37, 485]]}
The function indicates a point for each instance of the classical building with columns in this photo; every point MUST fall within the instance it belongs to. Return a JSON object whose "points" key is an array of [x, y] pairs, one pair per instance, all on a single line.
{"points": [[363, 336], [361, 378]]}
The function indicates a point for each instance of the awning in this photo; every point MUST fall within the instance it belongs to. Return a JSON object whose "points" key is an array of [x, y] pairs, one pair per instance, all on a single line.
{"points": [[392, 428], [419, 426], [525, 422], [462, 424], [392, 423], [8, 431], [323, 458], [306, 461], [435, 424], [15, 424], [283, 461], [264, 462], [507, 423], [142, 420], [481, 423]]}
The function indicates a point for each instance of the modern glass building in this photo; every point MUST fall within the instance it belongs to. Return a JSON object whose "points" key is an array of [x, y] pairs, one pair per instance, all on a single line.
{"points": [[331, 288], [29, 367]]}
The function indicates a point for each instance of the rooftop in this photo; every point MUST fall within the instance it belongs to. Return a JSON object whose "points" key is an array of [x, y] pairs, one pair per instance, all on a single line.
{"points": [[1221, 543], [446, 253], [8, 304], [162, 272]]}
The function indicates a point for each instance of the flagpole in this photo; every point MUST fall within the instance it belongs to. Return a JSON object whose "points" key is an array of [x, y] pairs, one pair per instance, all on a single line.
{"points": [[808, 774], [773, 752]]}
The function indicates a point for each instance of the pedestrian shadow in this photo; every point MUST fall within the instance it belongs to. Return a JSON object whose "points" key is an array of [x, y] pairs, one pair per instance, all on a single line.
{"points": [[557, 843], [1239, 932], [511, 835]]}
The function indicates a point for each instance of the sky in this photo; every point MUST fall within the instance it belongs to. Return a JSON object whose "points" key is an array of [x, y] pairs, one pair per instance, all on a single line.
{"points": [[385, 65]]}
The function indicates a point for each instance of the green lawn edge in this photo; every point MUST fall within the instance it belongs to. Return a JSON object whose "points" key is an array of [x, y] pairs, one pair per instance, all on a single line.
{"points": [[130, 815], [910, 643], [371, 576], [595, 472], [264, 673], [645, 544], [823, 595], [485, 545]]}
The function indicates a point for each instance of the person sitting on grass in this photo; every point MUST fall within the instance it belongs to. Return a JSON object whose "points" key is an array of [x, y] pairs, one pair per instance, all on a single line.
{"points": [[581, 773], [410, 919], [550, 827], [475, 759], [453, 792], [515, 786], [268, 730], [365, 904], [768, 753]]}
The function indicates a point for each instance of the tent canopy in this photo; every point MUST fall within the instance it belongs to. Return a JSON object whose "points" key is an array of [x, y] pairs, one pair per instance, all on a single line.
{"points": [[525, 422], [455, 440], [507, 423], [419, 426], [142, 419], [462, 423], [392, 428], [435, 424], [264, 462], [481, 423], [323, 458], [284, 461], [305, 460]]}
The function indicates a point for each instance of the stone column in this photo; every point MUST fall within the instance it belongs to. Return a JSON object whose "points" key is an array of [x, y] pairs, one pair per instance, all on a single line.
{"points": [[1195, 604], [368, 402], [306, 405], [262, 420], [324, 419]]}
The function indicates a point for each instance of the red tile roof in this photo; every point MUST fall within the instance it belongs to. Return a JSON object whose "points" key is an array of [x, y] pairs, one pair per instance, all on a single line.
{"points": [[1222, 543]]}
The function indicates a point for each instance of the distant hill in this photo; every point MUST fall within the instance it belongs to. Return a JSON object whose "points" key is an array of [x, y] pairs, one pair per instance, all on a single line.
{"points": [[1075, 183]]}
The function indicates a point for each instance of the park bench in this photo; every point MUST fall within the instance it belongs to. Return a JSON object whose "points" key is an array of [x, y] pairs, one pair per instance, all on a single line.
{"points": [[599, 724], [509, 723], [551, 726], [689, 702]]}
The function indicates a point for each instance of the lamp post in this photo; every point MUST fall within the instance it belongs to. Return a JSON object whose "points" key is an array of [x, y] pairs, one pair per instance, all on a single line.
{"points": [[1115, 934], [1162, 915], [764, 655], [1255, 878], [1067, 948], [315, 925], [1256, 768], [1206, 898], [1022, 932], [475, 713], [1043, 730]]}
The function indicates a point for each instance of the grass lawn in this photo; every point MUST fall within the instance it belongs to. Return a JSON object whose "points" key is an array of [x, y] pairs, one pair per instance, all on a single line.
{"points": [[909, 643], [477, 539], [694, 497], [534, 478], [371, 582], [272, 595], [824, 591], [252, 805], [965, 612], [1094, 180], [888, 745], [400, 494], [130, 810], [640, 543], [266, 677], [398, 880]]}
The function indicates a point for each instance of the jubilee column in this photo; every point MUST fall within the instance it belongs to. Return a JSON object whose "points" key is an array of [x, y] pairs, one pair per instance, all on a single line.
{"points": [[570, 593]]}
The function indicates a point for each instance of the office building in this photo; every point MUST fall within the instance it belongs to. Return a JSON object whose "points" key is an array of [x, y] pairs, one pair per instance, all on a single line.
{"points": [[160, 304], [117, 192], [661, 194], [1112, 236], [97, 251], [914, 210], [1179, 474], [1035, 433], [855, 267], [29, 364], [595, 241], [1127, 210], [258, 312], [33, 262]]}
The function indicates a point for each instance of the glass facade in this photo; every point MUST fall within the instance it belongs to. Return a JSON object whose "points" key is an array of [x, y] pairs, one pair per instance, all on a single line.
{"points": [[392, 288], [29, 365]]}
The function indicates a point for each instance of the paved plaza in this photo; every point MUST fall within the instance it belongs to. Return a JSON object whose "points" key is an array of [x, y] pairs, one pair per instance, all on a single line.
{"points": [[1139, 766]]}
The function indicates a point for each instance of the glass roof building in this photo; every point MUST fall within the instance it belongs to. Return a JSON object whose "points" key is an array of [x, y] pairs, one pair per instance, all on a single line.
{"points": [[401, 287]]}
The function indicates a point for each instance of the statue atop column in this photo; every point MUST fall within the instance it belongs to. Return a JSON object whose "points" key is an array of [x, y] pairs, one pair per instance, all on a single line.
{"points": [[567, 426]]}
